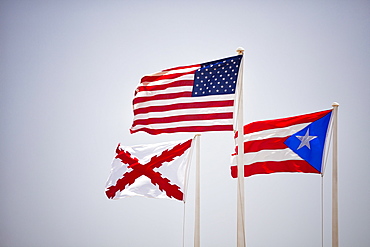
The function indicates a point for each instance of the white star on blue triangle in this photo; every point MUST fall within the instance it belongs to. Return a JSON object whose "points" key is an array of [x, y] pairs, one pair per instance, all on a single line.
{"points": [[305, 140], [309, 142]]}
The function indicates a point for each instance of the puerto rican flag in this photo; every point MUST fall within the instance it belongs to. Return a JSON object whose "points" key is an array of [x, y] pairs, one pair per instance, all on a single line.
{"points": [[193, 98], [293, 144]]}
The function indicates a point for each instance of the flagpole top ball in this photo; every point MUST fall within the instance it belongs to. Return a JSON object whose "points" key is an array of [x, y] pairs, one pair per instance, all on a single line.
{"points": [[240, 50], [335, 104]]}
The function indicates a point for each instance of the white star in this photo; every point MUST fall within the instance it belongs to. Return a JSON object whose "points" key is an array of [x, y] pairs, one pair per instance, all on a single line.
{"points": [[305, 140]]}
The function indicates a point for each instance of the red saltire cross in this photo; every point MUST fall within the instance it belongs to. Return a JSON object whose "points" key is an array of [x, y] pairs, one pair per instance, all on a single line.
{"points": [[139, 170]]}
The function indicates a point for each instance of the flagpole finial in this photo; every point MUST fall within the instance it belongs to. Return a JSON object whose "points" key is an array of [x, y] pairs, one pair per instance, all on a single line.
{"points": [[335, 104], [240, 50]]}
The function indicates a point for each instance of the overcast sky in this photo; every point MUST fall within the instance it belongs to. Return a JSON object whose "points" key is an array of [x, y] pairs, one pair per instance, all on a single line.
{"points": [[68, 70]]}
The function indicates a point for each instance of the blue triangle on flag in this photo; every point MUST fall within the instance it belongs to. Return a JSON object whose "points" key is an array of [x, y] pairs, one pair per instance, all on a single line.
{"points": [[309, 142]]}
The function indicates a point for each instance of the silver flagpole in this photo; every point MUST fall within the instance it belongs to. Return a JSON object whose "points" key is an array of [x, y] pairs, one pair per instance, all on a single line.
{"points": [[240, 187], [335, 239], [197, 194]]}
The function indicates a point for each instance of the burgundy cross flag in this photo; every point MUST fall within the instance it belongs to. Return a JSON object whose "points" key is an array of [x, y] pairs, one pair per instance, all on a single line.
{"points": [[194, 98], [293, 144], [153, 170]]}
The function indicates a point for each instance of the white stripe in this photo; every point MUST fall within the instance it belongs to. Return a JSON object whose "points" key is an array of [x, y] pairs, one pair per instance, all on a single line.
{"points": [[268, 155], [185, 100], [169, 90], [185, 124], [189, 111], [271, 133], [189, 77]]}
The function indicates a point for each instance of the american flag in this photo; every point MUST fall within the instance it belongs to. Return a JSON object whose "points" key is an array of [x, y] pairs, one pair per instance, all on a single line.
{"points": [[194, 98]]}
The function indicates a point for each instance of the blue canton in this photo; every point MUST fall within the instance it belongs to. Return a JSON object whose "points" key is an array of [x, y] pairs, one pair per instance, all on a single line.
{"points": [[217, 77]]}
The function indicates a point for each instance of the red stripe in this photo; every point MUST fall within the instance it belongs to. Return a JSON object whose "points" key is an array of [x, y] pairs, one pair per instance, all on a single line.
{"points": [[179, 83], [185, 129], [265, 144], [283, 122], [193, 105], [275, 166], [180, 118], [163, 76], [183, 67], [162, 96]]}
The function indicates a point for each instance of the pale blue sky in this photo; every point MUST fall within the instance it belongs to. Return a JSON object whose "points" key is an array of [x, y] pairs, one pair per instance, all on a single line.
{"points": [[68, 70]]}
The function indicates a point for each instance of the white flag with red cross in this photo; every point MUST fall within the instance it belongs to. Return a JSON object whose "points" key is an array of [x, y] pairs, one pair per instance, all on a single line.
{"points": [[151, 170]]}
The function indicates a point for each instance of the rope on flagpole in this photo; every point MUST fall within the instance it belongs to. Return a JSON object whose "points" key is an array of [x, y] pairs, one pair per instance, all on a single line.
{"points": [[327, 146], [183, 226], [322, 211]]}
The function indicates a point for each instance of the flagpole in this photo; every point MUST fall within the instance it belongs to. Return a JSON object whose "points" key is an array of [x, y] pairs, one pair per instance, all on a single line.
{"points": [[335, 239], [197, 193], [240, 187]]}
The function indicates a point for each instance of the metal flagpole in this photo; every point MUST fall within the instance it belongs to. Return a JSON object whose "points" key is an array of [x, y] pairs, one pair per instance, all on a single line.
{"points": [[240, 187], [335, 241], [197, 194]]}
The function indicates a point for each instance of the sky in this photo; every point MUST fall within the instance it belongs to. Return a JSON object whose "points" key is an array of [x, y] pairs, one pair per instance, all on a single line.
{"points": [[68, 71]]}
